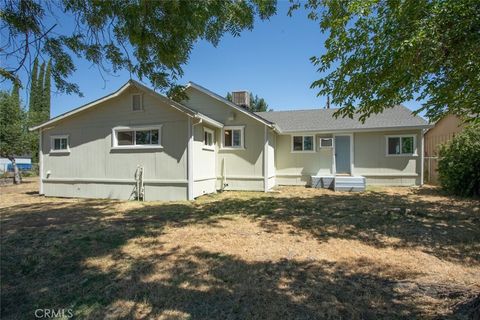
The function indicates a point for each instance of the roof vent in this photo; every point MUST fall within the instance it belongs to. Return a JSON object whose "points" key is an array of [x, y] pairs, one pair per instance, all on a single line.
{"points": [[241, 98]]}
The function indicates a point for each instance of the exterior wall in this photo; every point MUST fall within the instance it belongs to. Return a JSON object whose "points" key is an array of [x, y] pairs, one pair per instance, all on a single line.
{"points": [[443, 131], [92, 169], [296, 168], [239, 169], [372, 162], [204, 163], [271, 169]]}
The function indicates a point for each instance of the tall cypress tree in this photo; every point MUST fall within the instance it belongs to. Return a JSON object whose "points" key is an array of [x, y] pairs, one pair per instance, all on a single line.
{"points": [[39, 108], [33, 87], [47, 90]]}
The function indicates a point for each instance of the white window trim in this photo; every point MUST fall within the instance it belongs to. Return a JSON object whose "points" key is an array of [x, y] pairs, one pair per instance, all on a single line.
{"points": [[320, 143], [59, 136], [205, 146], [115, 145], [414, 154], [303, 142], [141, 102], [242, 136]]}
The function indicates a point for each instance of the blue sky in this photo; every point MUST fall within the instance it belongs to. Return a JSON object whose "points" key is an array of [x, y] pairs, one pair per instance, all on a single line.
{"points": [[272, 61]]}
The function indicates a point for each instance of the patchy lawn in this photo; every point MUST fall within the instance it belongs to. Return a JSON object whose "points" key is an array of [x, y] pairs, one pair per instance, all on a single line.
{"points": [[295, 253]]}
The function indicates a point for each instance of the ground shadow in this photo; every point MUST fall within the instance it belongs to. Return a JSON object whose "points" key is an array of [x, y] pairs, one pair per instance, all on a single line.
{"points": [[45, 248]]}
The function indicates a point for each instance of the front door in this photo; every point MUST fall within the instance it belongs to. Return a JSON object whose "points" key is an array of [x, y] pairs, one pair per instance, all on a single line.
{"points": [[342, 154]]}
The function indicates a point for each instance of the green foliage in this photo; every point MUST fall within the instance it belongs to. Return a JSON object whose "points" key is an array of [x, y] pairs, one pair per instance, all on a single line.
{"points": [[256, 104], [151, 39], [33, 87], [459, 164], [12, 126], [381, 53]]}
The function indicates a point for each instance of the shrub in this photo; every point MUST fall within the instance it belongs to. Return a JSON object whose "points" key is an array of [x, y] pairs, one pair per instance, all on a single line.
{"points": [[459, 163]]}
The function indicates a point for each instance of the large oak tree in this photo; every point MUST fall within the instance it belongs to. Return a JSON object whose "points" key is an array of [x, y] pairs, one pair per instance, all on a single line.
{"points": [[384, 52]]}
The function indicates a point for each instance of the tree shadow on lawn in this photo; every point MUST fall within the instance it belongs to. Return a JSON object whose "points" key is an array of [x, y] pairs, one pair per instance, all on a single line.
{"points": [[445, 229], [44, 249]]}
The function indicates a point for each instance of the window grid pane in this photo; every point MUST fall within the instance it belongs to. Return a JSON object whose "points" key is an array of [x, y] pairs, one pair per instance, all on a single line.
{"points": [[297, 143], [393, 145], [407, 145], [125, 138], [228, 138], [237, 138], [143, 137], [308, 143]]}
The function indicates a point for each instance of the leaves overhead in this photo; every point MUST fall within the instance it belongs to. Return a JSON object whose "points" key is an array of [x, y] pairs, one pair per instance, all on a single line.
{"points": [[151, 39], [383, 52]]}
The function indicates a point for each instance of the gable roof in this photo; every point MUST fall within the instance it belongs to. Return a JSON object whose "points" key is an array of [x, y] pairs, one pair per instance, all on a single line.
{"points": [[128, 84], [212, 94], [398, 117]]}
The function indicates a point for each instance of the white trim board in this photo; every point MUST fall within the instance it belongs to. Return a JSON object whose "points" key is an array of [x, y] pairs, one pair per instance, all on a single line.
{"points": [[131, 83], [228, 103]]}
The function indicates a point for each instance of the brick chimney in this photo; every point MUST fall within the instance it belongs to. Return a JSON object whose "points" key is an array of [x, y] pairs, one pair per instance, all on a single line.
{"points": [[241, 98]]}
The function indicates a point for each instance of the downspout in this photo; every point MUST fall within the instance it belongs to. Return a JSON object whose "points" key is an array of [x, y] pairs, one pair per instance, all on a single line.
{"points": [[40, 161], [265, 161], [190, 171], [422, 156]]}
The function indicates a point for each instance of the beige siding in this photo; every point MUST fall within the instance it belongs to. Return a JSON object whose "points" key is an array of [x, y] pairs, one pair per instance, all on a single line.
{"points": [[244, 168], [91, 158], [443, 131], [295, 168], [371, 160]]}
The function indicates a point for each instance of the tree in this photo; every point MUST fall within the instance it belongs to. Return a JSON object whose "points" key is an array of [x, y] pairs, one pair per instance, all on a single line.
{"points": [[47, 88], [459, 163], [150, 39], [381, 53], [32, 99], [256, 104], [12, 129]]}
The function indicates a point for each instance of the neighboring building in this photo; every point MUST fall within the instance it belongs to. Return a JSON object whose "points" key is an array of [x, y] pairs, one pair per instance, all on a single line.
{"points": [[208, 143], [23, 163], [443, 131]]}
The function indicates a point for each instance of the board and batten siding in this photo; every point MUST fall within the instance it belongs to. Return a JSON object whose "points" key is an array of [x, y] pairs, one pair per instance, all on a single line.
{"points": [[93, 170], [243, 167]]}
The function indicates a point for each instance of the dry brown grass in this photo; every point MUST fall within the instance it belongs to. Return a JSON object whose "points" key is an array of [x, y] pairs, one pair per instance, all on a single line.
{"points": [[294, 253]]}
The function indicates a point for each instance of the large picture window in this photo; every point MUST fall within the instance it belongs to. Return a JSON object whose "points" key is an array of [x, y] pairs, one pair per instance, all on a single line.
{"points": [[303, 144], [233, 137], [401, 145], [136, 137]]}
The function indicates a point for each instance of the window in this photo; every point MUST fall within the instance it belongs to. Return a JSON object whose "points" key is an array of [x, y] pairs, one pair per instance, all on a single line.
{"points": [[137, 102], [302, 143], [233, 137], [136, 137], [208, 138], [401, 145], [326, 142], [59, 144]]}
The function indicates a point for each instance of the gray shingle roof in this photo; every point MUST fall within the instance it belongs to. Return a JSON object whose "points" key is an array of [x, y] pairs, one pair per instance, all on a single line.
{"points": [[323, 120]]}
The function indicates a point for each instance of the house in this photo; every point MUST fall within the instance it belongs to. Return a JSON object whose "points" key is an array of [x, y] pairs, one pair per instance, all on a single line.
{"points": [[442, 132], [138, 143], [24, 163]]}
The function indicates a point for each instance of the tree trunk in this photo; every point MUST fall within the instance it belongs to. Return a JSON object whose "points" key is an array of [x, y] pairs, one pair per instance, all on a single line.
{"points": [[16, 173]]}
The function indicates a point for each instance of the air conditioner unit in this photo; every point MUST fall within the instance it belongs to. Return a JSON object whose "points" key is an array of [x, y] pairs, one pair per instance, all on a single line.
{"points": [[326, 143]]}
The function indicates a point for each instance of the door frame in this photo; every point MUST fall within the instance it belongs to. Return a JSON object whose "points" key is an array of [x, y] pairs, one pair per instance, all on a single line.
{"points": [[334, 165]]}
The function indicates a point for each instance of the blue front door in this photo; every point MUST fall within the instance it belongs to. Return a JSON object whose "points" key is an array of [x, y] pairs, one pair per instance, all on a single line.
{"points": [[342, 154]]}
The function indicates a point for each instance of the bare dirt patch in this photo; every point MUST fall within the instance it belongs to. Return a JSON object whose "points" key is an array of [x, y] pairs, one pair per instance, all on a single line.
{"points": [[293, 253]]}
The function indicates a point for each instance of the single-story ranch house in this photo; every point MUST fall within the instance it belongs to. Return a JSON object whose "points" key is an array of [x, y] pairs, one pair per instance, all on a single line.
{"points": [[137, 143]]}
